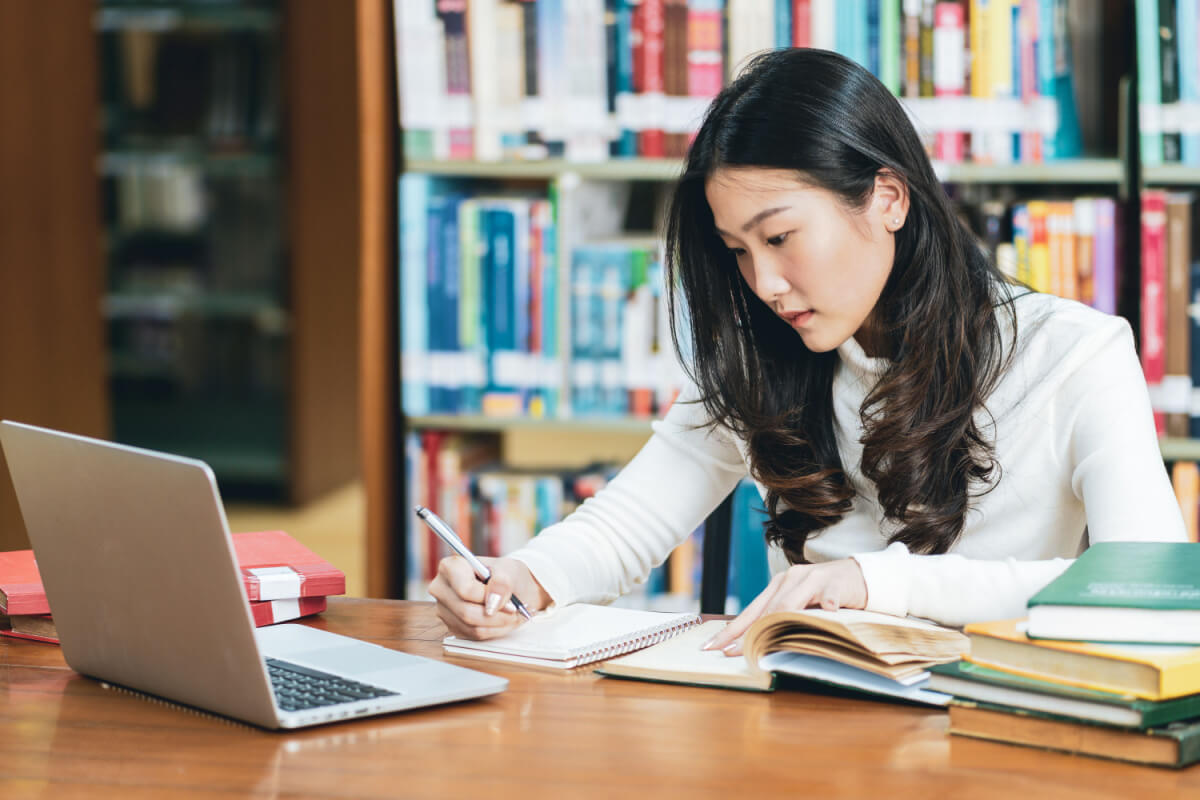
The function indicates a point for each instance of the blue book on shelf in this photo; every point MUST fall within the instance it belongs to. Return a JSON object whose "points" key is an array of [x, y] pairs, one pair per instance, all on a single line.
{"points": [[435, 296], [500, 293], [584, 377], [1189, 72], [1068, 140], [1149, 86], [522, 290], [472, 322], [783, 23], [850, 30], [748, 569], [625, 145], [872, 37], [615, 275], [448, 316], [551, 388], [414, 334]]}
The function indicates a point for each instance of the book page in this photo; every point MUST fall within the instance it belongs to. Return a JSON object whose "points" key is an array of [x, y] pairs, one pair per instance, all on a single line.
{"points": [[680, 660], [577, 630]]}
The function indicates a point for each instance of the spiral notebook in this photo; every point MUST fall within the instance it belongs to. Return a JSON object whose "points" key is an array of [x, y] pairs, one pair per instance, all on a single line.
{"points": [[576, 634]]}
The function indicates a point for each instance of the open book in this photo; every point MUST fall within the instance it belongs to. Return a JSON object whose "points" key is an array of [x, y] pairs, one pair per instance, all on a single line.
{"points": [[576, 634], [861, 650]]}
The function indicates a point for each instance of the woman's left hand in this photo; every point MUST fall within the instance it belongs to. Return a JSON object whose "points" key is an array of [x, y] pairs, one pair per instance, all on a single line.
{"points": [[830, 585]]}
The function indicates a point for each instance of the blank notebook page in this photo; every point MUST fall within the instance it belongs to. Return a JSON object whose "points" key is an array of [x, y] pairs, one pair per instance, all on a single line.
{"points": [[577, 634]]}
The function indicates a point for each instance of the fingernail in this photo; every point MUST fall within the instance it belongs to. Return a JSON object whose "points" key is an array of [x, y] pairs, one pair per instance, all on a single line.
{"points": [[493, 602], [708, 645], [729, 647]]}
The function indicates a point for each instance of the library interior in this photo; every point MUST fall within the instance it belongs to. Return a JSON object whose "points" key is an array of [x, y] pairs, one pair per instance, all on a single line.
{"points": [[275, 273]]}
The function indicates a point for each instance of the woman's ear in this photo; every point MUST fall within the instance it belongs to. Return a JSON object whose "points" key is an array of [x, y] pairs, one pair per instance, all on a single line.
{"points": [[890, 200]]}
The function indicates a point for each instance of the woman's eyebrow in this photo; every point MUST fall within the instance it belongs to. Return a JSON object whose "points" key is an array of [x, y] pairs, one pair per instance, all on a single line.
{"points": [[757, 218]]}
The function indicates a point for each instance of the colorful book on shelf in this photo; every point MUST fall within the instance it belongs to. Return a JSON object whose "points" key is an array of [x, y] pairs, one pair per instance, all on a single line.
{"points": [[1151, 672], [1140, 592], [968, 681], [40, 627], [1153, 293], [851, 649], [575, 635], [274, 566], [1173, 745]]}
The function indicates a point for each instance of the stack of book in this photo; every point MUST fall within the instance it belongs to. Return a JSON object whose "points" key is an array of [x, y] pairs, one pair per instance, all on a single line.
{"points": [[1107, 662], [284, 580]]}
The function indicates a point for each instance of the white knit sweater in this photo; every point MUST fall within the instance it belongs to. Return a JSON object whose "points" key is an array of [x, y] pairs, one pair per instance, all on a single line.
{"points": [[1074, 439]]}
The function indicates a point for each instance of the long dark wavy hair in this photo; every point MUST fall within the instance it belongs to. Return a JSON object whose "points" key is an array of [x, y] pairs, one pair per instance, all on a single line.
{"points": [[837, 126]]}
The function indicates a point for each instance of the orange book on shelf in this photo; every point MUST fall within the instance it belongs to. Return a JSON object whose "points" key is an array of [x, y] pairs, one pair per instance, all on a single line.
{"points": [[1185, 477]]}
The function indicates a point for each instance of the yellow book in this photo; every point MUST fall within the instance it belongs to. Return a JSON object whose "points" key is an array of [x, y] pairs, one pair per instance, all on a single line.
{"points": [[1039, 246], [1153, 672], [1185, 478]]}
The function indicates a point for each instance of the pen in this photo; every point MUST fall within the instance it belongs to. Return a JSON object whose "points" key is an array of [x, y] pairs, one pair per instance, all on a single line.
{"points": [[447, 535]]}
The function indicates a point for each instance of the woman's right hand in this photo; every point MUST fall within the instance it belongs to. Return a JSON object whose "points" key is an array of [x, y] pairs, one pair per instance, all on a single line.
{"points": [[474, 610]]}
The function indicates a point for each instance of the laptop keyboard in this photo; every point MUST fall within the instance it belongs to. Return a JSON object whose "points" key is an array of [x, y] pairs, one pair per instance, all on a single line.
{"points": [[299, 688]]}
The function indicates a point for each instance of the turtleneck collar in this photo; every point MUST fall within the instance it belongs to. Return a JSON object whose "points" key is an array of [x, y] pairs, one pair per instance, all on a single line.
{"points": [[859, 363]]}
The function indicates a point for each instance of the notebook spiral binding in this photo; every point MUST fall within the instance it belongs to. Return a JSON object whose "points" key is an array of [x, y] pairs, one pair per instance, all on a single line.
{"points": [[627, 644], [113, 687]]}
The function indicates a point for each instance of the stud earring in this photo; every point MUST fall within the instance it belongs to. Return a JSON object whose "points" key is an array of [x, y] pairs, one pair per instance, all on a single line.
{"points": [[896, 221]]}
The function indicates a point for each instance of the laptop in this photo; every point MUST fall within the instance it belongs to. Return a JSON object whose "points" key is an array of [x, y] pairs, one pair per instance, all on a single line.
{"points": [[138, 565]]}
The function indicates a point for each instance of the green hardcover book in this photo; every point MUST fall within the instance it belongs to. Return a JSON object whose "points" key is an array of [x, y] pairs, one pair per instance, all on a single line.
{"points": [[974, 682], [1173, 745], [1136, 592]]}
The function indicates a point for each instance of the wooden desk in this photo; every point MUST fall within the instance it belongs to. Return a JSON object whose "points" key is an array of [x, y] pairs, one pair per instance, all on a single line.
{"points": [[561, 735]]}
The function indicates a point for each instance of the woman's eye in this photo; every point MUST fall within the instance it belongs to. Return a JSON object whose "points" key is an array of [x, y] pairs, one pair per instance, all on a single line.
{"points": [[775, 241], [738, 252]]}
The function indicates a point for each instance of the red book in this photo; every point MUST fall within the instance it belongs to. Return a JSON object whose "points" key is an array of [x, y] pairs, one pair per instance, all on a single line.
{"points": [[274, 567], [1154, 304], [269, 612], [40, 627]]}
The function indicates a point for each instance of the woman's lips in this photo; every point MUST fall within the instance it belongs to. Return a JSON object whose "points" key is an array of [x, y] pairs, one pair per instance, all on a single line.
{"points": [[797, 319]]}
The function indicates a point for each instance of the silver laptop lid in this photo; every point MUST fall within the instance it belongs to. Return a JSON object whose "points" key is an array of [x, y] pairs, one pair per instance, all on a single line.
{"points": [[139, 568]]}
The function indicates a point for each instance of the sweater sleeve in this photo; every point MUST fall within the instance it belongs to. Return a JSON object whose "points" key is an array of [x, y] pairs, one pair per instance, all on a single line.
{"points": [[612, 541], [1110, 452]]}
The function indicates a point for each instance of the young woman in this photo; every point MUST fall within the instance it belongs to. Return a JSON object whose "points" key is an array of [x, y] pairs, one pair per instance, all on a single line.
{"points": [[928, 438]]}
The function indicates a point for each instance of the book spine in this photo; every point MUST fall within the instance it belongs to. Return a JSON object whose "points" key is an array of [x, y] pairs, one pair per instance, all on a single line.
{"points": [[949, 51], [271, 612], [1031, 141], [1194, 352], [1149, 79], [801, 23], [1177, 381], [1168, 54], [652, 138], [1185, 479], [1154, 224], [453, 14], [783, 23], [1188, 40], [912, 47], [1039, 246], [414, 200], [1085, 249], [889, 45], [1105, 270], [822, 24], [626, 144]]}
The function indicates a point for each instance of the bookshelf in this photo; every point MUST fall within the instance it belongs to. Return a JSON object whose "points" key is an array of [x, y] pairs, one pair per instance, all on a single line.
{"points": [[1102, 166], [233, 236]]}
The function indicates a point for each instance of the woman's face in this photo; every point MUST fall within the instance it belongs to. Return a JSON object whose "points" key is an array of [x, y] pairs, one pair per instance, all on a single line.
{"points": [[818, 265]]}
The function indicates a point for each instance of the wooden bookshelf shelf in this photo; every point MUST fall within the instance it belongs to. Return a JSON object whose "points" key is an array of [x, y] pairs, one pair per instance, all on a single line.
{"points": [[1179, 449], [1171, 175], [164, 17], [617, 169], [482, 424], [1096, 171]]}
